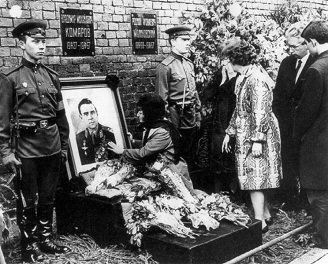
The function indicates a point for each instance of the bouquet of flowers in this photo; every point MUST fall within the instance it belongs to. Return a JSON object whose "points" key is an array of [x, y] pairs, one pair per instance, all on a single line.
{"points": [[162, 200]]}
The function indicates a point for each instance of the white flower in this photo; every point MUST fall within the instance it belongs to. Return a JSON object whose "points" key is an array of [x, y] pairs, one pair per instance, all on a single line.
{"points": [[235, 9]]}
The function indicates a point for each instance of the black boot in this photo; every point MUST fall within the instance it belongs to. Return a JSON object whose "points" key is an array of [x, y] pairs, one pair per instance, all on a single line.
{"points": [[28, 226], [45, 216]]}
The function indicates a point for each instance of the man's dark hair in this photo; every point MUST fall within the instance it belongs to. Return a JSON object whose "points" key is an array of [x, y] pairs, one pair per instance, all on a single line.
{"points": [[84, 101], [318, 30], [22, 38], [153, 107]]}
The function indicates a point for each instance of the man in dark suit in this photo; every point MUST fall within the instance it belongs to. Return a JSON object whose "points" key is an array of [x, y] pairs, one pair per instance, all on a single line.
{"points": [[90, 140], [311, 129], [286, 96]]}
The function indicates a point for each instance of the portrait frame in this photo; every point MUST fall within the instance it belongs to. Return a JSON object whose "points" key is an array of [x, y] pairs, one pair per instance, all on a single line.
{"points": [[109, 110]]}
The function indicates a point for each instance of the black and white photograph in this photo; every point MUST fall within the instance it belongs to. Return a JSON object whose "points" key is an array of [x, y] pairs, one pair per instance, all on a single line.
{"points": [[94, 121], [164, 131]]}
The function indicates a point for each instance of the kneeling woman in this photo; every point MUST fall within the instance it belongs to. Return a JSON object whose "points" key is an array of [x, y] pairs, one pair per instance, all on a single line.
{"points": [[160, 138]]}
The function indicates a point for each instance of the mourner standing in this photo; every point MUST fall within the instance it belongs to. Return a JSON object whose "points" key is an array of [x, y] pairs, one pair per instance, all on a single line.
{"points": [[31, 95], [311, 129], [90, 140], [175, 83], [255, 127], [286, 95]]}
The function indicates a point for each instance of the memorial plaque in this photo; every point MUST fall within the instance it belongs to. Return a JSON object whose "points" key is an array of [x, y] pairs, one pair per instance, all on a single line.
{"points": [[144, 33], [77, 32]]}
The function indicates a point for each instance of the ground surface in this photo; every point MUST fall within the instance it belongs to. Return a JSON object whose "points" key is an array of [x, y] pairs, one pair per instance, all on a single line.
{"points": [[85, 250]]}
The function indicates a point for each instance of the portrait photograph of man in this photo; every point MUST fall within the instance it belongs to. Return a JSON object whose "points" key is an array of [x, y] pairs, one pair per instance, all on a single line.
{"points": [[93, 136], [94, 121]]}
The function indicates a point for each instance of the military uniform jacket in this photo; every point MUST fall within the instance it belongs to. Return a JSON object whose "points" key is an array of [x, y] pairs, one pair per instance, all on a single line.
{"points": [[88, 146], [175, 83], [33, 91]]}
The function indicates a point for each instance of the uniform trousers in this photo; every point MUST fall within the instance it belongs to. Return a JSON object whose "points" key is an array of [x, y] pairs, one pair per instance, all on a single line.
{"points": [[188, 145], [38, 182]]}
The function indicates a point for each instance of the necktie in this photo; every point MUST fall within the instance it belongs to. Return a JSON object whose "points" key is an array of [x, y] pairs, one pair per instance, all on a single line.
{"points": [[299, 64]]}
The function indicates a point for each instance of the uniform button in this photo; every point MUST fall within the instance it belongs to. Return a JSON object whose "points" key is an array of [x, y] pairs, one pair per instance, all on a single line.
{"points": [[42, 96], [26, 93], [39, 83]]}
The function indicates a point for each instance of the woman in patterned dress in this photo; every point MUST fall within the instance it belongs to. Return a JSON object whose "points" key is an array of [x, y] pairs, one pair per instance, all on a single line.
{"points": [[2, 227], [255, 127]]}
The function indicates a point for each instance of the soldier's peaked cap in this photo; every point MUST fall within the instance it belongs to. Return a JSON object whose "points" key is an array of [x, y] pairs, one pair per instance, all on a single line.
{"points": [[182, 30], [34, 28]]}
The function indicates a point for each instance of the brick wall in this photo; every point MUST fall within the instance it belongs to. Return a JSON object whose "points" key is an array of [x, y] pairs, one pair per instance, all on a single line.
{"points": [[113, 51], [262, 8], [113, 47]]}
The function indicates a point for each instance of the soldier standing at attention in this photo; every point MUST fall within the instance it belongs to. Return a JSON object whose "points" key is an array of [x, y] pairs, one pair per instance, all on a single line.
{"points": [[175, 83], [31, 95]]}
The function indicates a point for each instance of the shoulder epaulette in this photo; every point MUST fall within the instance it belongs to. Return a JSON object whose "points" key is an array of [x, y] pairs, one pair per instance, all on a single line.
{"points": [[107, 129], [49, 69], [8, 71], [168, 60]]}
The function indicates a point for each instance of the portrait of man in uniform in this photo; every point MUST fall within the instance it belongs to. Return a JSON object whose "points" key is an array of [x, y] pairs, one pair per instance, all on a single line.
{"points": [[93, 114], [90, 140]]}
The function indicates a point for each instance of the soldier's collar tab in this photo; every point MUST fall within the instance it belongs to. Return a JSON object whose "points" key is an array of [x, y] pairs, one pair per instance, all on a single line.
{"points": [[31, 65]]}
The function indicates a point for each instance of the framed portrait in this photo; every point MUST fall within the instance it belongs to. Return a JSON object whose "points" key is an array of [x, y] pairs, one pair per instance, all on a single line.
{"points": [[95, 116]]}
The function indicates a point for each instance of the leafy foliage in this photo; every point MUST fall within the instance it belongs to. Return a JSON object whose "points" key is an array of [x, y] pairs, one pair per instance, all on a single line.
{"points": [[223, 19]]}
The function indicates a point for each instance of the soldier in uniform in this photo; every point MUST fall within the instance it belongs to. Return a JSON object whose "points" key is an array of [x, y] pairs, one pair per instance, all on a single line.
{"points": [[30, 95], [175, 83], [94, 136]]}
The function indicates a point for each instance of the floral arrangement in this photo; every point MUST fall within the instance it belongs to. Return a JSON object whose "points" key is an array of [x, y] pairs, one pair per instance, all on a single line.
{"points": [[223, 19], [159, 198]]}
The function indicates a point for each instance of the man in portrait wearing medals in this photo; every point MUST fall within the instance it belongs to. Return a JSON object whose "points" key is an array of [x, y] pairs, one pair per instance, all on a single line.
{"points": [[90, 140]]}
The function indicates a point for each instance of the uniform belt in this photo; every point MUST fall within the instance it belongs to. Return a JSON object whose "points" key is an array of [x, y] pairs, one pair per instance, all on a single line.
{"points": [[180, 103], [46, 122], [37, 124]]}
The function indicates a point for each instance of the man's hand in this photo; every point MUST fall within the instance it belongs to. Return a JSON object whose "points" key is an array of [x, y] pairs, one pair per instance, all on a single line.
{"points": [[11, 162], [115, 148], [64, 155]]}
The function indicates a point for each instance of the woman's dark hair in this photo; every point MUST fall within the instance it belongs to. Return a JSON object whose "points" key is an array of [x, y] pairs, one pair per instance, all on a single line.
{"points": [[153, 107], [239, 52]]}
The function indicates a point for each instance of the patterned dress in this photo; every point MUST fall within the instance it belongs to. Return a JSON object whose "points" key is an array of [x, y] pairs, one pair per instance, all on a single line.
{"points": [[254, 121]]}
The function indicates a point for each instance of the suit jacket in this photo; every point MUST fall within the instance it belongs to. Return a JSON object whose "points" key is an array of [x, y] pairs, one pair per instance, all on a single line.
{"points": [[311, 126], [286, 96]]}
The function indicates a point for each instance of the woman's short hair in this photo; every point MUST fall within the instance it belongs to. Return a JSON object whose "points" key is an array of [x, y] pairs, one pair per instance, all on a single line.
{"points": [[153, 107], [318, 30], [239, 52]]}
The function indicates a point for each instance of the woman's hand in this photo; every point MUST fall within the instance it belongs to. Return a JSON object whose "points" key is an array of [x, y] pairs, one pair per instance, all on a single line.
{"points": [[257, 149], [225, 145], [130, 136], [115, 148]]}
